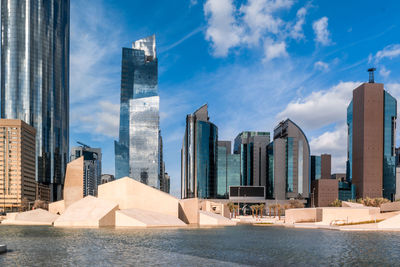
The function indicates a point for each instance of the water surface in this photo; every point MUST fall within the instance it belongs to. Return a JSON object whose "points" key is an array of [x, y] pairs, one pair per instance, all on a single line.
{"points": [[229, 246]]}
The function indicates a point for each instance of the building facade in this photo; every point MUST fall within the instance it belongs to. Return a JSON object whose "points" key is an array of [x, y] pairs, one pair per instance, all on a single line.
{"points": [[320, 167], [106, 178], [199, 156], [324, 192], [91, 167], [35, 80], [252, 148], [17, 165], [371, 118], [137, 153], [228, 169], [291, 162]]}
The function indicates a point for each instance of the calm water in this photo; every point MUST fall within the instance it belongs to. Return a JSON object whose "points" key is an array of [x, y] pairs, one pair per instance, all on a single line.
{"points": [[242, 245]]}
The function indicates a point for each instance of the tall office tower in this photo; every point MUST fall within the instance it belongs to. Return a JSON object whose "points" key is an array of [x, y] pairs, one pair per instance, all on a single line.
{"points": [[137, 153], [371, 118], [228, 169], [252, 148], [35, 79], [91, 167], [199, 156], [17, 165], [291, 162], [320, 167]]}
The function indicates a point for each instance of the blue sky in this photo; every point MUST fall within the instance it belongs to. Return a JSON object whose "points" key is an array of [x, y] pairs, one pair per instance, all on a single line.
{"points": [[255, 62]]}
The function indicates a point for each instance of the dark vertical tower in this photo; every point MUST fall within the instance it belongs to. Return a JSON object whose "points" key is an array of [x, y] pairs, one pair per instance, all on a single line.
{"points": [[35, 79], [199, 154], [371, 118]]}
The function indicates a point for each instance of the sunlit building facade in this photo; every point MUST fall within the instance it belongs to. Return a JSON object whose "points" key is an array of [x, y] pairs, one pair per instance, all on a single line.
{"points": [[92, 177], [35, 80], [137, 153], [371, 120], [291, 162], [199, 154]]}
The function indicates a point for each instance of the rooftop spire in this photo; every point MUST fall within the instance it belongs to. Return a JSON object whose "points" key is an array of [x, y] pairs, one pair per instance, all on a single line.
{"points": [[371, 75]]}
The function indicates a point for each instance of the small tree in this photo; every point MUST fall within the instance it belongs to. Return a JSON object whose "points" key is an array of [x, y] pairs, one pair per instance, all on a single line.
{"points": [[231, 208], [279, 208], [262, 206], [252, 207], [336, 203]]}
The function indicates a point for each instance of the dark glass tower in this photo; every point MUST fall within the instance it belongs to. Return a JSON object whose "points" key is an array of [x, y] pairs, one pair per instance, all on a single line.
{"points": [[35, 79], [137, 153], [199, 158]]}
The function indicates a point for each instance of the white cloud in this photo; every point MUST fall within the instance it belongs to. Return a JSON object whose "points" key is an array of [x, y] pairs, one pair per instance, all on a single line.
{"points": [[253, 23], [100, 120], [390, 51], [275, 50], [334, 143], [95, 82], [222, 29], [320, 65], [321, 31], [320, 108], [297, 30], [384, 72]]}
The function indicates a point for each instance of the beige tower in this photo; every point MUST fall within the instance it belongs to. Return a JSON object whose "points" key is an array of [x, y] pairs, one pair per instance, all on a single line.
{"points": [[17, 165]]}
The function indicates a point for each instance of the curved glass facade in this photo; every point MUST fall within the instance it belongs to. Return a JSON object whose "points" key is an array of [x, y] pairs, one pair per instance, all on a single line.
{"points": [[199, 156], [206, 159], [35, 79]]}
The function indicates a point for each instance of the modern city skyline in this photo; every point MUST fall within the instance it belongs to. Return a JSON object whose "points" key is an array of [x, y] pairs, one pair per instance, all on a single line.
{"points": [[137, 153], [35, 80]]}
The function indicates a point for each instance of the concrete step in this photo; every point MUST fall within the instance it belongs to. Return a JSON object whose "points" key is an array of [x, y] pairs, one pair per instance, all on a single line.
{"points": [[3, 249]]}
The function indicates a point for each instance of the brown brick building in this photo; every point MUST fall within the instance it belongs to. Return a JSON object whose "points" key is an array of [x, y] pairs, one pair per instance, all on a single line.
{"points": [[17, 165], [325, 192]]}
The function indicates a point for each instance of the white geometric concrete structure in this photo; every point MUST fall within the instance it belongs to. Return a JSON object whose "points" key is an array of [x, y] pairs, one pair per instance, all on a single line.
{"points": [[390, 223], [88, 212], [32, 217], [211, 219], [131, 194], [144, 218], [57, 207]]}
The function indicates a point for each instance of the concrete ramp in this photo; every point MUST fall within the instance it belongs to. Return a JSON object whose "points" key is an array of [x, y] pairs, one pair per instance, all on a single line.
{"points": [[209, 219], [390, 223], [32, 217], [145, 218], [88, 212]]}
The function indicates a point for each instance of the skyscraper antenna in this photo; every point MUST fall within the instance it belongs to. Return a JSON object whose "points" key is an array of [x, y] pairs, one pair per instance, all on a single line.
{"points": [[371, 75]]}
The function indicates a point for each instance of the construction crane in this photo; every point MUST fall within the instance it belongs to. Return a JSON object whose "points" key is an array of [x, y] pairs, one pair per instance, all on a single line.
{"points": [[82, 144]]}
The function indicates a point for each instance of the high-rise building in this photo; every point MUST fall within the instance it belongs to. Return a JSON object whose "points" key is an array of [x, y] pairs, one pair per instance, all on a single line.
{"points": [[252, 148], [371, 119], [199, 156], [291, 162], [35, 80], [17, 165], [320, 167], [228, 169], [137, 153], [91, 167]]}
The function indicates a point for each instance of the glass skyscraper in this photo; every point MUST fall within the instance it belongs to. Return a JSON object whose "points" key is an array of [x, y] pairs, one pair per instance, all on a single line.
{"points": [[252, 148], [35, 79], [389, 146], [315, 168], [137, 153], [199, 154], [228, 169]]}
